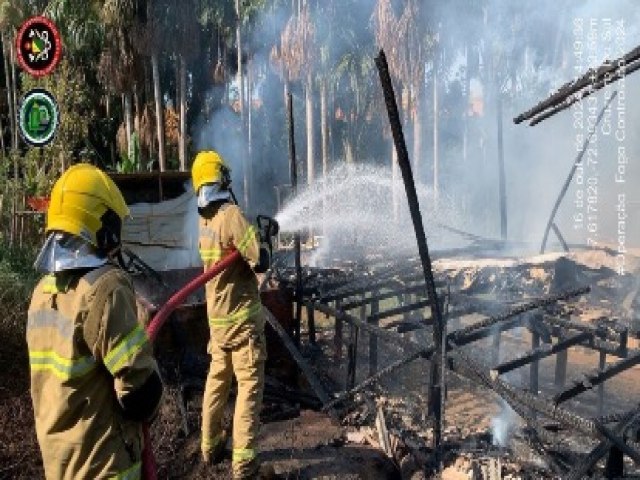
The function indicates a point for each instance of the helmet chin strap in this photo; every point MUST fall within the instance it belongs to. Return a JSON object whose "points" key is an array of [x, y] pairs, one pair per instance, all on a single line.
{"points": [[115, 256], [233, 196]]}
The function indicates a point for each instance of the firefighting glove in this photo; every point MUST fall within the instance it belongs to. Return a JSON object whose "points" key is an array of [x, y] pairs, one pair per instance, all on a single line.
{"points": [[142, 404]]}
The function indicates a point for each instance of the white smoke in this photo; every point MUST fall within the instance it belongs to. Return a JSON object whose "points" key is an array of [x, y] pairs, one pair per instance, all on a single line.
{"points": [[503, 425]]}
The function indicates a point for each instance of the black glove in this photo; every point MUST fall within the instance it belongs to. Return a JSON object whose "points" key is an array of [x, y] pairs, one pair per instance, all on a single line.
{"points": [[265, 261]]}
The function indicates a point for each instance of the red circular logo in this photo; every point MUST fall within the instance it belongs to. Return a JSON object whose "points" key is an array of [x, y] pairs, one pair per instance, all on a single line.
{"points": [[39, 46]]}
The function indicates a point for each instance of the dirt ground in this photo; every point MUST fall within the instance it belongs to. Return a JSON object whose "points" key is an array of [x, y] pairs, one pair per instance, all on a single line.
{"points": [[307, 444]]}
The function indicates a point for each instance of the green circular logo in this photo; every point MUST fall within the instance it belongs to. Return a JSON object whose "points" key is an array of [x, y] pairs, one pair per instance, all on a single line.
{"points": [[39, 117]]}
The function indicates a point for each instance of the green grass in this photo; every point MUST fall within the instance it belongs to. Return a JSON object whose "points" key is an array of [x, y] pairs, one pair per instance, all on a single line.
{"points": [[17, 280], [17, 276]]}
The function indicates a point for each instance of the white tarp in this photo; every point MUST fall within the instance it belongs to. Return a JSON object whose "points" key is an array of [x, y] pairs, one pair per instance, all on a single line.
{"points": [[165, 235]]}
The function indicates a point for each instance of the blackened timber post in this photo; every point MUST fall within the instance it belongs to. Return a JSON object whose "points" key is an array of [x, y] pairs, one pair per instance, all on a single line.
{"points": [[534, 367], [561, 368], [423, 249], [495, 350], [601, 365], [311, 321], [293, 171], [337, 337], [373, 340]]}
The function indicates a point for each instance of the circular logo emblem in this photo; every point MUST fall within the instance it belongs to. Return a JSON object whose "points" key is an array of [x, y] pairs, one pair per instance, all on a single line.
{"points": [[38, 45], [39, 117]]}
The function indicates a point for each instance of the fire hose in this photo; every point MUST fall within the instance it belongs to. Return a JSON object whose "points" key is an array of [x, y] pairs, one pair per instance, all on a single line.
{"points": [[149, 468]]}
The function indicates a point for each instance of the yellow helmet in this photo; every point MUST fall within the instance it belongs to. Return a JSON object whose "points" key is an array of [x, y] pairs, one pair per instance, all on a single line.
{"points": [[85, 202], [209, 167]]}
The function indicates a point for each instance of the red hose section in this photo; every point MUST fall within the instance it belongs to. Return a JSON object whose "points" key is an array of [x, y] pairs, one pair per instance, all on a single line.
{"points": [[149, 466]]}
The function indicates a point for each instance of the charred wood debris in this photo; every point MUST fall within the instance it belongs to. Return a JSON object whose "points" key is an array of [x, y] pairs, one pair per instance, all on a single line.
{"points": [[396, 314], [353, 298], [356, 296]]}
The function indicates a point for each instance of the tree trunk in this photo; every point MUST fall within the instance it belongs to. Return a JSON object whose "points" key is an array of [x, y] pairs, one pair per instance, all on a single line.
{"points": [[159, 111], [249, 163], [324, 128], [240, 78], [128, 121], [241, 103], [7, 74], [182, 145], [436, 181], [15, 92], [418, 126], [395, 188], [501, 172], [2, 145], [310, 138], [137, 109]]}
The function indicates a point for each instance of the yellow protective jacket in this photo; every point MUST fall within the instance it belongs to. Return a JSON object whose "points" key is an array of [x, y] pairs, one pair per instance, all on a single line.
{"points": [[87, 353], [232, 296]]}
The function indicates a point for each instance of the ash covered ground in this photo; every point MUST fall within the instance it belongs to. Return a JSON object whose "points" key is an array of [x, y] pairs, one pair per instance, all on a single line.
{"points": [[482, 437]]}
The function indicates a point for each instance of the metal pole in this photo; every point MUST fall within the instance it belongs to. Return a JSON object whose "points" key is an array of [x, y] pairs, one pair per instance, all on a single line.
{"points": [[416, 217]]}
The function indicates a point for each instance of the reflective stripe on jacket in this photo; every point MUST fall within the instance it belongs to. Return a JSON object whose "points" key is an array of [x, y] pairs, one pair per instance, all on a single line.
{"points": [[232, 296], [86, 350]]}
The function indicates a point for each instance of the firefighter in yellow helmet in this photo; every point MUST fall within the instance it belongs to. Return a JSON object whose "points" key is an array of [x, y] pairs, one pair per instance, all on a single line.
{"points": [[93, 377], [237, 345]]}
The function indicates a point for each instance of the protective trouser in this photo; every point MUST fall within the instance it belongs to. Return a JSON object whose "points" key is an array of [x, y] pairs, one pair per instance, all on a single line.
{"points": [[238, 350]]}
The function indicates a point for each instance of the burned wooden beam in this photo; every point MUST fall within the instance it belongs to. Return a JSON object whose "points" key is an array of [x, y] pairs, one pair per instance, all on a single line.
{"points": [[611, 339], [354, 290], [591, 380], [593, 80], [352, 357], [472, 333], [628, 450], [311, 322], [373, 340], [486, 331], [373, 379], [560, 237], [540, 404], [416, 217], [293, 171], [602, 363], [382, 296], [525, 307], [463, 364], [615, 417], [539, 353], [370, 328], [565, 323], [582, 468], [311, 377], [401, 309], [337, 336], [576, 163]]}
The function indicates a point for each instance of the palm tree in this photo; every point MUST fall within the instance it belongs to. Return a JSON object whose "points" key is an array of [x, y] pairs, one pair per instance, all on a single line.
{"points": [[116, 68], [12, 13], [295, 58]]}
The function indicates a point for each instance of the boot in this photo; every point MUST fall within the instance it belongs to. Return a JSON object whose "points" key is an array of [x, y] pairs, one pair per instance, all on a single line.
{"points": [[258, 472], [267, 472], [217, 453]]}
